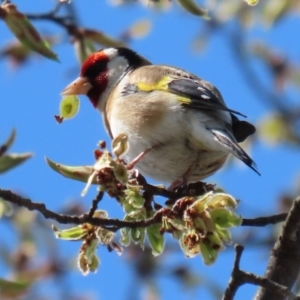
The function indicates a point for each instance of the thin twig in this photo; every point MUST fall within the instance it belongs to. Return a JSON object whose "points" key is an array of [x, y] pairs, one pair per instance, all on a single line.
{"points": [[239, 278], [68, 22], [263, 221], [95, 203], [234, 282]]}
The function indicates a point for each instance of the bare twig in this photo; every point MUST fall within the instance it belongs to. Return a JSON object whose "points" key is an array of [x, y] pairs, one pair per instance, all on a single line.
{"points": [[68, 21], [95, 203], [239, 278], [111, 224], [263, 221]]}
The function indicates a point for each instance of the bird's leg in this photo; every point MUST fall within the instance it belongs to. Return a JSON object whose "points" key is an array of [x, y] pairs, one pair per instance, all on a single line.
{"points": [[183, 180], [131, 165]]}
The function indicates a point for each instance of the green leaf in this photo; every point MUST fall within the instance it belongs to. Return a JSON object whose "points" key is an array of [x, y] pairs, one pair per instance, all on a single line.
{"points": [[200, 204], [91, 250], [210, 246], [80, 173], [139, 29], [253, 2], [189, 243], [72, 234], [120, 145], [222, 200], [134, 198], [273, 129], [95, 262], [125, 237], [224, 234], [209, 255], [13, 288], [274, 10], [225, 218], [156, 239], [138, 236], [104, 236], [82, 264], [214, 241], [25, 32], [69, 107], [6, 208], [101, 38], [100, 214], [9, 161], [191, 7], [121, 172], [156, 4], [87, 259], [128, 207]]}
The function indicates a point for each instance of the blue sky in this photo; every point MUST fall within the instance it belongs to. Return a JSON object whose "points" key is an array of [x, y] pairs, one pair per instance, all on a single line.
{"points": [[30, 98]]}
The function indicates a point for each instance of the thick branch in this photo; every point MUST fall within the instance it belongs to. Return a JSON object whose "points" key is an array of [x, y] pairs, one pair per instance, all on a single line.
{"points": [[284, 264], [239, 277], [112, 224]]}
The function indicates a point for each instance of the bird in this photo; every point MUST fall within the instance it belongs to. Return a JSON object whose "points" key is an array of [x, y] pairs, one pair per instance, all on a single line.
{"points": [[177, 124]]}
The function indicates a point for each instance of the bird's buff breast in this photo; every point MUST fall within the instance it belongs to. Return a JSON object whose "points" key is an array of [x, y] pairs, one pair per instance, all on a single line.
{"points": [[169, 162], [161, 128], [170, 157]]}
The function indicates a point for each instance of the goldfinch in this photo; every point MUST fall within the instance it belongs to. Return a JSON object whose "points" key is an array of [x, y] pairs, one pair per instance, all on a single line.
{"points": [[177, 124]]}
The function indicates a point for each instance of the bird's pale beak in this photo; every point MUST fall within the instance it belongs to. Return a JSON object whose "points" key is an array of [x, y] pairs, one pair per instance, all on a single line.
{"points": [[79, 86]]}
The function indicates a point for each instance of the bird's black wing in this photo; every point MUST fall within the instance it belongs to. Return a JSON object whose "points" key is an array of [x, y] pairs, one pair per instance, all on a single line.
{"points": [[198, 94]]}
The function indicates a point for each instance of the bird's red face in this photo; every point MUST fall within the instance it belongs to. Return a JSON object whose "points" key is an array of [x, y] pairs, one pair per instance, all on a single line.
{"points": [[101, 72], [93, 78]]}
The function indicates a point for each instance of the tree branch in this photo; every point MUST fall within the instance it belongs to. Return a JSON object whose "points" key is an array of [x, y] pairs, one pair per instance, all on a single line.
{"points": [[68, 21], [95, 203], [263, 221], [113, 224], [192, 189], [284, 263], [239, 278]]}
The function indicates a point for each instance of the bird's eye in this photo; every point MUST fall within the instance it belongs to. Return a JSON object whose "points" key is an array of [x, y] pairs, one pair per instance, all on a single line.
{"points": [[95, 68]]}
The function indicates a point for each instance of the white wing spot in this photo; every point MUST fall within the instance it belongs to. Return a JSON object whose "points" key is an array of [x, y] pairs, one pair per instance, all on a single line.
{"points": [[205, 97], [201, 89]]}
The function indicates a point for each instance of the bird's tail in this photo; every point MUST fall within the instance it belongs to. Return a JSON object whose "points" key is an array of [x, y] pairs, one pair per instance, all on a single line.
{"points": [[229, 143]]}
